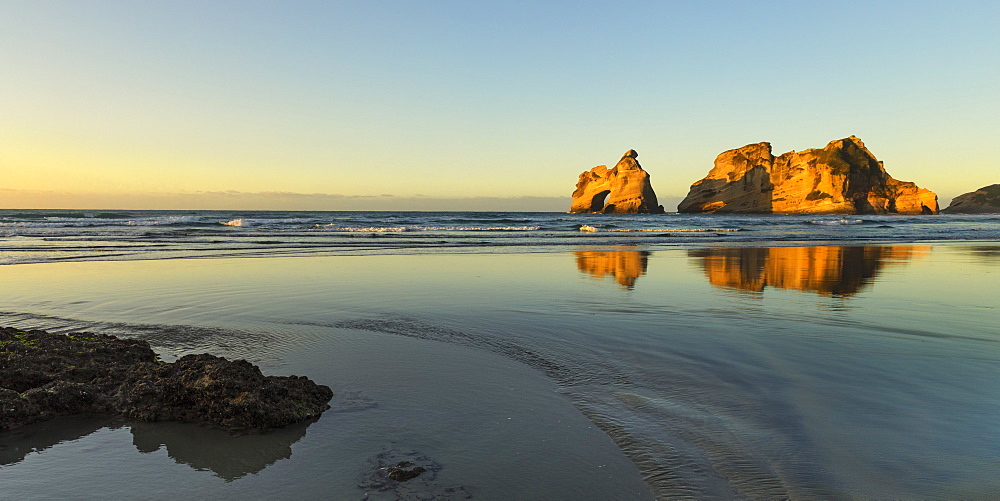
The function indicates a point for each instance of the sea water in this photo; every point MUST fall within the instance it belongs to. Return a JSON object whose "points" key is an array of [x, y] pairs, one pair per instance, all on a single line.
{"points": [[604, 369], [28, 236]]}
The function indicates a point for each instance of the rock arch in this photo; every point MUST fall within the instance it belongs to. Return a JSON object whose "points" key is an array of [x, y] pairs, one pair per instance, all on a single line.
{"points": [[624, 189]]}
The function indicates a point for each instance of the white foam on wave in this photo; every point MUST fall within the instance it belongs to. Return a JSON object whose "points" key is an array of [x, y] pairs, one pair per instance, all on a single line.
{"points": [[156, 221], [86, 222], [481, 228], [173, 219], [234, 222], [587, 228], [66, 223], [400, 229], [835, 222], [371, 229], [673, 230]]}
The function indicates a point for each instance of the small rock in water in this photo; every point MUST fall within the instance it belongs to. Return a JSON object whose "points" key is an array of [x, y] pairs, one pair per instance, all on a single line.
{"points": [[404, 471], [408, 475]]}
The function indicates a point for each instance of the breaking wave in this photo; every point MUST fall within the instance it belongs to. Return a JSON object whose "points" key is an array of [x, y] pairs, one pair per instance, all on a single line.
{"points": [[835, 222], [401, 229], [61, 235], [674, 230]]}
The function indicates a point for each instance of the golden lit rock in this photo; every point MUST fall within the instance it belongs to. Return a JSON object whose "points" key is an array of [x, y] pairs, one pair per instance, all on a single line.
{"points": [[842, 178], [625, 189]]}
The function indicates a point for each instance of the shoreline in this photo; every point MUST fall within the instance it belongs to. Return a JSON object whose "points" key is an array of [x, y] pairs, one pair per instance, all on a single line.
{"points": [[533, 249]]}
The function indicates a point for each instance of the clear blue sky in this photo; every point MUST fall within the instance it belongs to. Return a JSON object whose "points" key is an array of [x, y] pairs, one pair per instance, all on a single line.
{"points": [[113, 104]]}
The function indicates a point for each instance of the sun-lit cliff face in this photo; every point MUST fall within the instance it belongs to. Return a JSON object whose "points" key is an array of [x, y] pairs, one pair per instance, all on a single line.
{"points": [[828, 271], [625, 189], [841, 178], [625, 265]]}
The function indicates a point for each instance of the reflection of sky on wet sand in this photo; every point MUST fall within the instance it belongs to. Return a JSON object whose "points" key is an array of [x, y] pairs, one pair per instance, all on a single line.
{"points": [[15, 445], [987, 253]]}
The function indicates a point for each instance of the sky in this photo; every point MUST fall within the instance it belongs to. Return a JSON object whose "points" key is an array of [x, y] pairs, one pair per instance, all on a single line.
{"points": [[465, 105]]}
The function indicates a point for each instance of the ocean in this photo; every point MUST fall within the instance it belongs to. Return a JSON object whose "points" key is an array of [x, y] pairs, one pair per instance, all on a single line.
{"points": [[532, 355], [31, 236]]}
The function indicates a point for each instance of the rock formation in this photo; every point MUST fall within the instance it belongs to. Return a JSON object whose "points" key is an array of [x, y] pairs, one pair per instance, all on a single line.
{"points": [[985, 200], [45, 375], [842, 178], [625, 189]]}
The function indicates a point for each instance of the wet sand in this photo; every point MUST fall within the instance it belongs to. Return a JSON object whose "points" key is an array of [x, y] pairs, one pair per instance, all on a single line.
{"points": [[606, 373]]}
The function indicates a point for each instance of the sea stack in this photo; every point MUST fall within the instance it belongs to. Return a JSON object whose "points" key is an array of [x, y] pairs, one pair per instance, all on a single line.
{"points": [[985, 200], [842, 178], [625, 189]]}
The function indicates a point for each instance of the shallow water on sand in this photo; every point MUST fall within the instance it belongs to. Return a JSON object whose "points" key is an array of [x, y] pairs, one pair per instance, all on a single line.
{"points": [[727, 372]]}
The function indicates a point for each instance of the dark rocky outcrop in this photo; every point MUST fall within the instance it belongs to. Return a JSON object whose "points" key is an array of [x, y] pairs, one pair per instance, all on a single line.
{"points": [[625, 189], [841, 178], [985, 200], [44, 375]]}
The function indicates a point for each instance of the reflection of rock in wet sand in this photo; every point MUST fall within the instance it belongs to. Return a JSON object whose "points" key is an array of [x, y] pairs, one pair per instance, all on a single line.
{"points": [[229, 456], [624, 265], [829, 271], [989, 254], [16, 444]]}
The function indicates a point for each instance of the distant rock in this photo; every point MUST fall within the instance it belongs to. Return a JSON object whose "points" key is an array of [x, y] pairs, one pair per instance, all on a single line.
{"points": [[985, 200], [45, 375], [842, 178], [625, 189]]}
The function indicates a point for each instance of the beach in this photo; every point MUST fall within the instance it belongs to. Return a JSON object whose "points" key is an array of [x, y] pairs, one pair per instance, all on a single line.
{"points": [[816, 371], [409, 251]]}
